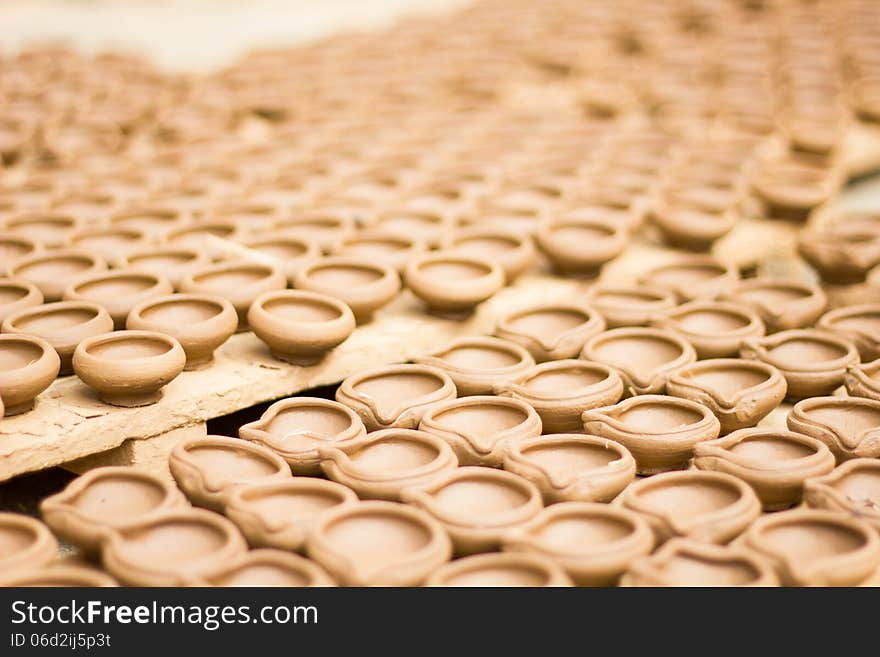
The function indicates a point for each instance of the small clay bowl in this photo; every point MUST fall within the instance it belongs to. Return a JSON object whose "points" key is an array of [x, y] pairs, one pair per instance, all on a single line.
{"points": [[118, 291], [296, 427], [594, 543], [110, 243], [28, 365], [52, 271], [269, 568], [238, 282], [378, 544], [478, 506], [853, 487], [813, 362], [581, 246], [13, 247], [859, 324], [850, 426], [25, 543], [105, 500], [174, 547], [323, 227], [645, 357], [479, 427], [426, 226], [58, 575], [289, 252], [17, 294], [790, 190], [300, 327], [773, 462], [684, 223], [129, 368], [629, 305], [395, 395], [154, 222], [863, 380], [452, 282], [551, 331], [659, 431], [681, 562], [63, 324], [781, 304], [281, 514], [560, 391], [517, 569], [714, 328], [173, 262], [810, 547], [711, 507], [385, 246], [211, 237], [208, 469], [476, 364], [843, 254], [50, 230], [572, 467], [693, 277], [512, 250], [364, 285]]}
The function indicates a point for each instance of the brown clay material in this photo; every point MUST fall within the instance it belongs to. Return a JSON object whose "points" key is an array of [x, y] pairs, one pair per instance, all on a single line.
{"points": [[50, 230], [689, 224], [552, 331], [17, 294], [714, 328], [387, 247], [453, 282], [324, 227], [500, 569], [863, 380], [512, 250], [154, 222], [781, 304], [581, 246], [842, 254], [693, 277], [429, 227], [269, 568], [25, 543], [209, 236], [790, 190], [853, 488], [13, 247], [28, 365], [629, 305], [850, 426], [859, 324], [289, 252], [58, 575], [118, 291], [110, 243], [52, 271], [173, 262]]}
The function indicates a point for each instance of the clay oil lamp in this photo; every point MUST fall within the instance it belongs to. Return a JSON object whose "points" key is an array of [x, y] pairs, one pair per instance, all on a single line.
{"points": [[14, 246], [324, 227], [129, 368], [395, 395], [560, 391], [63, 324], [551, 331], [28, 365], [53, 271], [453, 283], [813, 362], [296, 427], [118, 291], [51, 230], [594, 543], [853, 488], [790, 190], [629, 305], [863, 380], [711, 507], [572, 467], [300, 327], [773, 462], [810, 547], [384, 246], [110, 243], [859, 324], [17, 294], [478, 506], [513, 251], [90, 208], [681, 562], [289, 252], [850, 426], [526, 221], [58, 575], [645, 357], [378, 544], [155, 223], [173, 262], [174, 547], [105, 500], [689, 223], [211, 237], [249, 216], [269, 568], [516, 569], [842, 254], [581, 246], [281, 513], [428, 227], [781, 304], [692, 277], [714, 328], [26, 543]]}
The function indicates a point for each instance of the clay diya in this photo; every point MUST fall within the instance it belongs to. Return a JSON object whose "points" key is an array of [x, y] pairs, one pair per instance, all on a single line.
{"points": [[859, 324], [363, 285], [378, 544], [781, 304], [512, 250], [325, 227], [105, 500], [58, 575], [210, 237], [790, 190], [645, 357], [208, 469], [560, 391], [714, 328], [572, 467], [551, 331], [110, 243], [296, 427], [63, 324], [269, 568], [711, 507], [428, 227], [853, 487], [396, 395], [478, 506], [519, 569], [863, 380], [289, 252], [689, 222], [52, 271], [843, 254], [629, 305], [813, 362], [174, 547], [154, 222], [452, 282], [129, 368], [118, 291], [281, 513], [773, 462], [17, 294], [594, 543], [390, 248], [693, 277], [810, 547], [479, 427], [300, 327], [850, 426], [28, 365], [13, 247], [581, 246], [50, 230], [173, 262], [25, 543], [659, 431]]}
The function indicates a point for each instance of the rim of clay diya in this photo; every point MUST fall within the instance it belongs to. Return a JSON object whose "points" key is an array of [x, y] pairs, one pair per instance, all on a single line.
{"points": [[782, 469], [532, 566], [40, 549], [29, 296], [706, 420], [593, 323], [762, 348], [21, 384], [671, 319], [265, 561], [53, 289], [842, 440], [480, 342], [682, 379], [822, 492], [605, 386]]}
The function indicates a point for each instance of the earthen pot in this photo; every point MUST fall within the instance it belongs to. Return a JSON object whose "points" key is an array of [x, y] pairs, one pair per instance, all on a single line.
{"points": [[773, 462], [853, 488], [296, 427], [129, 368], [324, 227], [51, 230], [280, 514], [512, 250], [429, 227], [173, 262], [711, 507], [53, 271], [695, 226], [300, 327], [813, 362], [212, 237], [842, 254], [629, 305], [378, 544], [714, 328], [551, 331], [111, 243], [863, 380], [452, 282], [560, 391], [156, 222], [781, 304], [289, 252], [17, 294], [118, 291], [581, 246], [810, 547], [478, 506], [28, 365], [395, 395], [14, 246], [269, 568], [850, 426], [693, 277], [63, 324], [859, 324], [26, 543], [516, 569], [58, 575], [105, 500], [659, 431]]}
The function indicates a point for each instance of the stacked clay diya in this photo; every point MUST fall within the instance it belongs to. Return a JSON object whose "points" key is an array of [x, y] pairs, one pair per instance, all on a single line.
{"points": [[500, 569], [693, 277], [17, 294], [630, 305], [28, 365], [853, 488], [849, 426], [781, 304], [118, 291], [552, 331], [363, 285], [451, 282], [714, 328]]}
